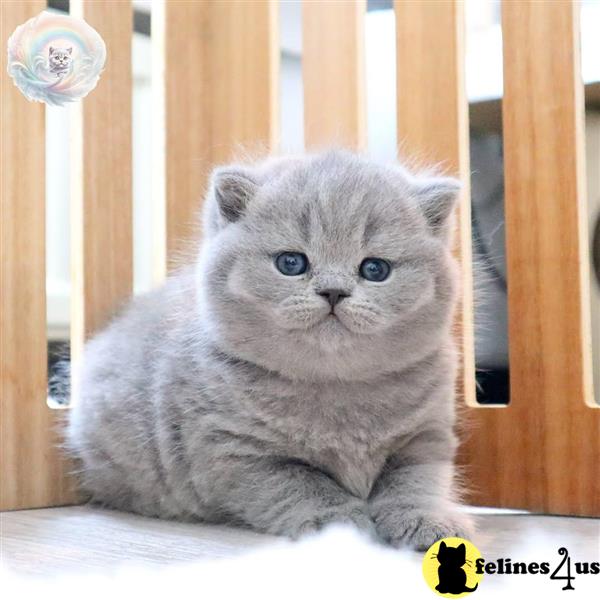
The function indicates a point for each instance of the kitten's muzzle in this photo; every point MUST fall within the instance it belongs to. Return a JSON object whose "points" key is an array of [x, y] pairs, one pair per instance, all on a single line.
{"points": [[334, 296]]}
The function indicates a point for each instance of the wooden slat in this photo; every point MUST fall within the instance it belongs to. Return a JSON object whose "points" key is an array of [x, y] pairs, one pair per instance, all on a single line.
{"points": [[333, 67], [102, 181], [433, 128], [542, 452], [216, 77], [31, 474]]}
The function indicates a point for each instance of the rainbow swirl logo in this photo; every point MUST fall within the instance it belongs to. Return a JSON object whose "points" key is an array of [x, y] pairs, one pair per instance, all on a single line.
{"points": [[55, 58]]}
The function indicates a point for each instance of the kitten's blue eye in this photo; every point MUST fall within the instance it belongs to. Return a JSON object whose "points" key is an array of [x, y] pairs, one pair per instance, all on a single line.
{"points": [[375, 269], [292, 263]]}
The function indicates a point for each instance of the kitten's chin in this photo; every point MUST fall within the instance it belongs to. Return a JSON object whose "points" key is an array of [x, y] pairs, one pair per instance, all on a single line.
{"points": [[332, 325], [333, 334], [330, 328]]}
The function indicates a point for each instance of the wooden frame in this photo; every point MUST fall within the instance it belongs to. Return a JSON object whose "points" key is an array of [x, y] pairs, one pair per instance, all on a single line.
{"points": [[32, 473], [542, 452], [539, 453]]}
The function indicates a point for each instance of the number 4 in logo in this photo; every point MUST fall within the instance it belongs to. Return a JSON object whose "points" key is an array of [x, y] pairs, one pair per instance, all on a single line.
{"points": [[568, 577]]}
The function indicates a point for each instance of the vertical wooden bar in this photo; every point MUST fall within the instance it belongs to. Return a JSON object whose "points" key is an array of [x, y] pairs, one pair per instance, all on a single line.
{"points": [[102, 181], [542, 452], [433, 128], [333, 67], [31, 473], [216, 69]]}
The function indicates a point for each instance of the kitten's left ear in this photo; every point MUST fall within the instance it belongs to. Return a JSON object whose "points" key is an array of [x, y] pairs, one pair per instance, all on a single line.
{"points": [[437, 198], [70, 50]]}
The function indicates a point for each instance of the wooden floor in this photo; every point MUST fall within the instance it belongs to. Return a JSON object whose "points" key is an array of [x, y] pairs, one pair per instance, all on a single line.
{"points": [[59, 540]]}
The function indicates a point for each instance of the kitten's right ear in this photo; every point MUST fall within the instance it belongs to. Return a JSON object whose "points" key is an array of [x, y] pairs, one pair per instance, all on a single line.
{"points": [[234, 188], [442, 545], [50, 50]]}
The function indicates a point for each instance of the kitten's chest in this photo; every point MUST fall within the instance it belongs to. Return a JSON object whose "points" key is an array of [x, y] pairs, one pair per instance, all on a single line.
{"points": [[352, 458], [348, 431]]}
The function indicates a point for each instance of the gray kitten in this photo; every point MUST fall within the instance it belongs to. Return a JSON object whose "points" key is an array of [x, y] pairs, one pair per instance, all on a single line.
{"points": [[301, 373], [59, 60]]}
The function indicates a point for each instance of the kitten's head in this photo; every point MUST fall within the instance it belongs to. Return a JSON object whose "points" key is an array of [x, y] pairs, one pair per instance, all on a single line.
{"points": [[60, 57], [328, 266]]}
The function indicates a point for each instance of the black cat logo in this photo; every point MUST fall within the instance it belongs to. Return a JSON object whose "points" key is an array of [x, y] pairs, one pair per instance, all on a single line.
{"points": [[452, 576]]}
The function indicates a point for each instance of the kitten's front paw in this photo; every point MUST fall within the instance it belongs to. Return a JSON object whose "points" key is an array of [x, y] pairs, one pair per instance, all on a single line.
{"points": [[419, 529], [352, 514]]}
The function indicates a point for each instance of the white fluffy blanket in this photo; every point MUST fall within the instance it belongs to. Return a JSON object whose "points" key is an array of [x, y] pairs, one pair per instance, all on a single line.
{"points": [[336, 564]]}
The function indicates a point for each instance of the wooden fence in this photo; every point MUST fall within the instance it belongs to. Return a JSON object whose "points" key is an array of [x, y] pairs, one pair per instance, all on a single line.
{"points": [[543, 450]]}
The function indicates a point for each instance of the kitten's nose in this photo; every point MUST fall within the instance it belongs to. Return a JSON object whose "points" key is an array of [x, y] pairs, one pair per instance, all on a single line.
{"points": [[333, 296]]}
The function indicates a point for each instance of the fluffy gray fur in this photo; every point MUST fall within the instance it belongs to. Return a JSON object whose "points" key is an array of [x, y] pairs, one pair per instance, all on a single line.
{"points": [[231, 394]]}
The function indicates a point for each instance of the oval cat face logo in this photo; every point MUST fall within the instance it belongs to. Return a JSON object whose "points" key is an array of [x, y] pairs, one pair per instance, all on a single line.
{"points": [[449, 567]]}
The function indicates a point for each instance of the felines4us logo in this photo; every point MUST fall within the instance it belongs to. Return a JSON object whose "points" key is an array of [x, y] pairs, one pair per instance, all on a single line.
{"points": [[453, 568]]}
